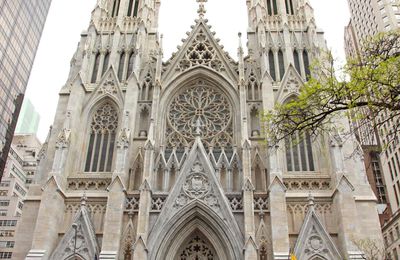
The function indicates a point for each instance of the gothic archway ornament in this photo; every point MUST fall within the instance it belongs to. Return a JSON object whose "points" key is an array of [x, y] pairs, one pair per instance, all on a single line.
{"points": [[197, 186]]}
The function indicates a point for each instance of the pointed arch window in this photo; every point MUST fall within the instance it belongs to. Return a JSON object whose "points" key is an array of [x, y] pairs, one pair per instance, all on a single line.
{"points": [[296, 61], [281, 62], [130, 64], [133, 8], [147, 88], [103, 128], [289, 7], [115, 9], [299, 154], [271, 61], [95, 68], [253, 88], [269, 7], [306, 63], [121, 66], [106, 62], [275, 7]]}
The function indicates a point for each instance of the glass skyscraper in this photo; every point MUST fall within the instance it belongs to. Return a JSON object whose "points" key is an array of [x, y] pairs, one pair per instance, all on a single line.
{"points": [[21, 26]]}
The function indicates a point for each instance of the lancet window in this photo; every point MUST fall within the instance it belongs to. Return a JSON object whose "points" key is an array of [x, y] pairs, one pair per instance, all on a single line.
{"points": [[115, 9], [289, 7], [131, 64], [272, 7], [106, 62], [121, 66], [103, 128], [95, 70], [271, 61], [133, 8], [253, 88], [281, 62], [299, 153], [306, 63], [146, 92], [297, 61]]}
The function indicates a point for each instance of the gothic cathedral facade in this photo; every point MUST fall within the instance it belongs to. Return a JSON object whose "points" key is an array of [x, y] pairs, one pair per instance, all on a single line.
{"points": [[166, 161]]}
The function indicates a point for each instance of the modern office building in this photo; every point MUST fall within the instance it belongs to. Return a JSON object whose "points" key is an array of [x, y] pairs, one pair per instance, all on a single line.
{"points": [[18, 175], [21, 26], [28, 120], [157, 160]]}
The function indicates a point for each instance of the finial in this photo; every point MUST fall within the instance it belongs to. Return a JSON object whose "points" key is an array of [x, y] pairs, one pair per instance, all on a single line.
{"points": [[311, 201], [202, 9], [83, 199], [198, 126]]}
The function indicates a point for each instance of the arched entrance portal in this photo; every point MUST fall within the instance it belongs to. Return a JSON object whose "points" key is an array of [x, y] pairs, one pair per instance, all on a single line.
{"points": [[196, 247]]}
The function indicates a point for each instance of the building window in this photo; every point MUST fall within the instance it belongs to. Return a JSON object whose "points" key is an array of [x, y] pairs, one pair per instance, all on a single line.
{"points": [[121, 66], [133, 8], [299, 156], [95, 68], [102, 139], [115, 9], [281, 61], [7, 244], [271, 60], [8, 223], [296, 61], [306, 63], [130, 64], [5, 255], [106, 62], [4, 203], [3, 213]]}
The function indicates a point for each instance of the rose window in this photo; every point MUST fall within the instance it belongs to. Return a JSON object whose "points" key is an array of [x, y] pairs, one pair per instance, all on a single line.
{"points": [[200, 107]]}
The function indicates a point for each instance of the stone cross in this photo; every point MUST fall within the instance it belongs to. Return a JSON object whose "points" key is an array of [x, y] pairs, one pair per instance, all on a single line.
{"points": [[202, 9]]}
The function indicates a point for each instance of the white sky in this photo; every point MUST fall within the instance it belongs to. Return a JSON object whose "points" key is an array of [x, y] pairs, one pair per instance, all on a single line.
{"points": [[68, 18]]}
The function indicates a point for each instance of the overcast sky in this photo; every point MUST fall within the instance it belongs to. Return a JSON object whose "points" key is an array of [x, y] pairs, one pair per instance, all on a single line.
{"points": [[68, 18]]}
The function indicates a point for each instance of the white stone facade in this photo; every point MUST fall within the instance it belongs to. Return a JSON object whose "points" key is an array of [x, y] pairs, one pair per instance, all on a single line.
{"points": [[168, 157]]}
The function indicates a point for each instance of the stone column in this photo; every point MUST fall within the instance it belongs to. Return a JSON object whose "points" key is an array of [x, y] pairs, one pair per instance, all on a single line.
{"points": [[277, 204], [116, 196], [140, 250]]}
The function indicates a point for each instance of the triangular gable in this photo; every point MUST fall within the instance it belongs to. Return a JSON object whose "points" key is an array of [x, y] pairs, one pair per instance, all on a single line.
{"points": [[108, 86], [201, 48], [314, 239], [196, 184], [290, 85], [80, 239]]}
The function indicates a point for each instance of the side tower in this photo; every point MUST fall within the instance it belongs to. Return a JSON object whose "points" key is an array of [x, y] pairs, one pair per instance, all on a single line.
{"points": [[95, 137]]}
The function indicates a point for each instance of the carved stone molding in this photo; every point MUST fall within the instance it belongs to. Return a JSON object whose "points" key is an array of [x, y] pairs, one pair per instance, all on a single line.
{"points": [[235, 202], [157, 203], [261, 203], [132, 203], [88, 184], [307, 184]]}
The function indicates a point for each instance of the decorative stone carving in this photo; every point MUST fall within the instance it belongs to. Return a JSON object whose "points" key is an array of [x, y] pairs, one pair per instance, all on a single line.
{"points": [[196, 186], [88, 184], [201, 52], [157, 203], [307, 184], [197, 248], [314, 240], [236, 203], [132, 204], [261, 203], [109, 86]]}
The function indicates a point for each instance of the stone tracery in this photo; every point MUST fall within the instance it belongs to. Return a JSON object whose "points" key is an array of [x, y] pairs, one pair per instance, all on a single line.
{"points": [[204, 105]]}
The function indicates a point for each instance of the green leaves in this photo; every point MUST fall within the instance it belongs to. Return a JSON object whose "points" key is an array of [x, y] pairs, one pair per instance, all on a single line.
{"points": [[373, 88]]}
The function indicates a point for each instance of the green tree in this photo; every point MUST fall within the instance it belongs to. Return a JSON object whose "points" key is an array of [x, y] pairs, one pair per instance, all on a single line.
{"points": [[369, 93]]}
